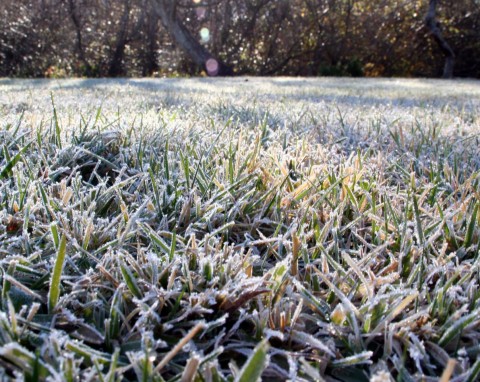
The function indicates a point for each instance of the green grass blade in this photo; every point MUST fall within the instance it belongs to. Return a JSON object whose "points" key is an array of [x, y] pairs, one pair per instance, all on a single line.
{"points": [[7, 170], [474, 373], [256, 363], [54, 292], [421, 238], [457, 327], [471, 227], [58, 138], [130, 280], [357, 359], [24, 360], [164, 247], [173, 246], [55, 235]]}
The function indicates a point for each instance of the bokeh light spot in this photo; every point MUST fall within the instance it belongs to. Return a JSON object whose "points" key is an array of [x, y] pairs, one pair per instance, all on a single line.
{"points": [[205, 34], [201, 12], [212, 67]]}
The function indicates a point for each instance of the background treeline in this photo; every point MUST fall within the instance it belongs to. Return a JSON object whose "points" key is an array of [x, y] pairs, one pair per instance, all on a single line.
{"points": [[257, 37]]}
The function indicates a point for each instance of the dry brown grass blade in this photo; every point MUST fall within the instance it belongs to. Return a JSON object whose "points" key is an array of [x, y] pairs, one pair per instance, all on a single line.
{"points": [[179, 346]]}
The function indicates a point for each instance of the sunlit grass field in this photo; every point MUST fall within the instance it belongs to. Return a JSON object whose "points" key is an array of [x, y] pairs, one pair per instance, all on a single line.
{"points": [[237, 229]]}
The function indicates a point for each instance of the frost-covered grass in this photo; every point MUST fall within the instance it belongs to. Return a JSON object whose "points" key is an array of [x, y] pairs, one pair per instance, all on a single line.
{"points": [[216, 230]]}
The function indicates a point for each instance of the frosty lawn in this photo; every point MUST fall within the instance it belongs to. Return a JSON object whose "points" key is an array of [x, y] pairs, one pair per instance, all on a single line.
{"points": [[223, 229]]}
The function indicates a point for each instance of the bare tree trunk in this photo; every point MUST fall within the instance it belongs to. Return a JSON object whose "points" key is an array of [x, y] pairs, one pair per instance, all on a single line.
{"points": [[150, 64], [116, 64], [78, 30], [434, 26], [167, 11]]}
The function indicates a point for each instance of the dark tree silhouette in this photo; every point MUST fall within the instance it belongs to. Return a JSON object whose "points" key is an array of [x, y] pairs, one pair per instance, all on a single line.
{"points": [[434, 26], [75, 16], [167, 11], [116, 63]]}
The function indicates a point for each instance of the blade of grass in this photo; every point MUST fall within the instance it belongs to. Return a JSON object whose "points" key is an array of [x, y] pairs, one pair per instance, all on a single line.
{"points": [[457, 327], [256, 364], [7, 171], [24, 359], [471, 227], [58, 138], [474, 372], [54, 291], [357, 359], [130, 280], [207, 153], [176, 349]]}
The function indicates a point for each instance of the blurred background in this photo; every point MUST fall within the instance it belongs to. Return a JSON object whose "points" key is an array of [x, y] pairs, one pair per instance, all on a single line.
{"points": [[165, 38]]}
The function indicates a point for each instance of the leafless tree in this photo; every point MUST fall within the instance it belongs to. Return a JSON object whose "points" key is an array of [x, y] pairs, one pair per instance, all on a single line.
{"points": [[434, 26], [167, 10], [116, 63], [75, 11]]}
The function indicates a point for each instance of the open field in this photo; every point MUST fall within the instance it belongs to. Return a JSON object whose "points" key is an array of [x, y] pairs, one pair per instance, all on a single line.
{"points": [[219, 229]]}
